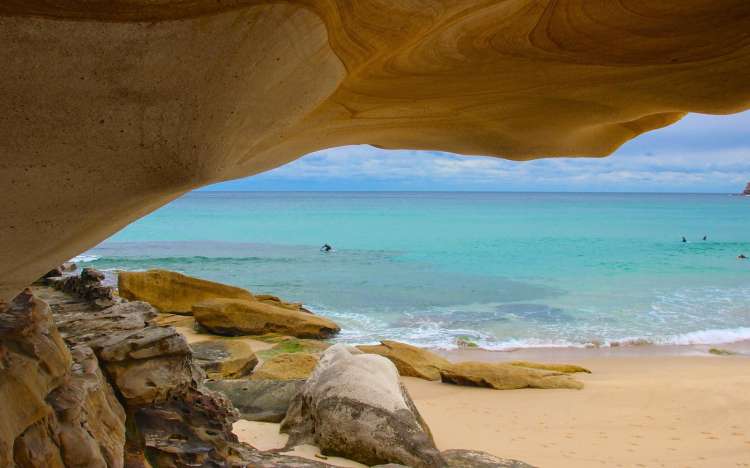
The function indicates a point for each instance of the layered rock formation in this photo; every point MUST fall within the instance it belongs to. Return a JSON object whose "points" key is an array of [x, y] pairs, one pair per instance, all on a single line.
{"points": [[173, 292], [239, 317], [505, 376], [57, 408], [112, 109]]}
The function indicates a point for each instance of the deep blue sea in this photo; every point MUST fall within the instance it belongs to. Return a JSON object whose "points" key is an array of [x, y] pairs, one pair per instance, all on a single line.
{"points": [[503, 269]]}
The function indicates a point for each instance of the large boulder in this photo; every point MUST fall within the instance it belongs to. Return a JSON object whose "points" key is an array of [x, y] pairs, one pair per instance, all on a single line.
{"points": [[410, 361], [354, 406], [224, 358], [474, 459], [173, 292], [259, 400], [287, 366], [249, 317], [505, 376]]}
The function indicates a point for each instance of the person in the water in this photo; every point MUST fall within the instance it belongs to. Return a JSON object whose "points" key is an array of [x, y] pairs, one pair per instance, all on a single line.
{"points": [[741, 256], [683, 239], [326, 248], [705, 237]]}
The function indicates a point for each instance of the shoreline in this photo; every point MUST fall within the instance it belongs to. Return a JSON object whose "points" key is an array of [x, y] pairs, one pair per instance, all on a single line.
{"points": [[645, 406]]}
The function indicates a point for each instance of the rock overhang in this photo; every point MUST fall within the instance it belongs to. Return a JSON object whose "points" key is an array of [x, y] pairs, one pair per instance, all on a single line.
{"points": [[112, 109]]}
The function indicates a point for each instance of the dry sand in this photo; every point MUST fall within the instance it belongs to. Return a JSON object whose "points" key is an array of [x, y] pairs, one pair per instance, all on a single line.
{"points": [[653, 408], [641, 407]]}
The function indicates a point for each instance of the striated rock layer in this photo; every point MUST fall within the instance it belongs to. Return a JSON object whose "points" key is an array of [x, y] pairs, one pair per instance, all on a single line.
{"points": [[112, 109]]}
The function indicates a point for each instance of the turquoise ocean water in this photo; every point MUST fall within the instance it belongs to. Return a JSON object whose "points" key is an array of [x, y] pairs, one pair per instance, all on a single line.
{"points": [[505, 269]]}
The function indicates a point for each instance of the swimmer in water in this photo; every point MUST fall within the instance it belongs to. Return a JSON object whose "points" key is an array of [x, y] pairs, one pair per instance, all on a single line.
{"points": [[326, 248], [683, 239], [741, 256]]}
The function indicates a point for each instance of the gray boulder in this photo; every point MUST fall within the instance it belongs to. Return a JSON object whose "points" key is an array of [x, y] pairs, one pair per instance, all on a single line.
{"points": [[476, 459], [354, 406], [258, 400]]}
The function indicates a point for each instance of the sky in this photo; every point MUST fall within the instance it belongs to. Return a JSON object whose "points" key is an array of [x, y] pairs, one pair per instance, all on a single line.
{"points": [[701, 153]]}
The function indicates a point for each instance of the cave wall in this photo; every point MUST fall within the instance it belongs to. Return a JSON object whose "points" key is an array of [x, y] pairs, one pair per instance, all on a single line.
{"points": [[113, 108]]}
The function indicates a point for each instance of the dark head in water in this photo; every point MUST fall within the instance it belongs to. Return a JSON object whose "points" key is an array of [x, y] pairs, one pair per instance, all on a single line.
{"points": [[741, 256], [326, 248], [683, 239]]}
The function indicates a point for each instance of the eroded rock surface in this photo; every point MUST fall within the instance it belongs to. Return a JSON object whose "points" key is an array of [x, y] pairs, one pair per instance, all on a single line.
{"points": [[259, 400], [354, 406], [170, 96], [286, 366], [57, 408], [475, 459], [243, 317], [410, 361], [564, 368], [502, 376], [224, 359], [173, 292]]}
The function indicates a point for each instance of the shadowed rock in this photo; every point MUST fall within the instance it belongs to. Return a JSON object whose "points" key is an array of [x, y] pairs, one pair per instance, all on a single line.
{"points": [[259, 400], [477, 459], [354, 406], [224, 359]]}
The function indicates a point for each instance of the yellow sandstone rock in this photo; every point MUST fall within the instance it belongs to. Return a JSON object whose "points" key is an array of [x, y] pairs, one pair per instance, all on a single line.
{"points": [[224, 358], [292, 366], [242, 317], [564, 368], [112, 109], [173, 292], [410, 361], [505, 377]]}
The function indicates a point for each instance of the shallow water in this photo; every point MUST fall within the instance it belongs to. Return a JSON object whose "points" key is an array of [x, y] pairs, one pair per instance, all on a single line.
{"points": [[504, 269]]}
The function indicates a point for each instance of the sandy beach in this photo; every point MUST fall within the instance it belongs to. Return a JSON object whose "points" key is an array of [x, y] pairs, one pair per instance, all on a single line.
{"points": [[645, 406], [637, 409], [641, 406]]}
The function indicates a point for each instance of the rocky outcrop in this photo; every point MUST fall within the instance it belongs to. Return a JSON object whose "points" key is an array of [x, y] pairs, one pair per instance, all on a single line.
{"points": [[88, 286], [295, 345], [275, 300], [410, 361], [66, 398], [57, 408], [564, 368], [354, 406], [224, 359], [246, 317], [288, 366], [173, 292], [504, 376], [475, 459], [259, 400]]}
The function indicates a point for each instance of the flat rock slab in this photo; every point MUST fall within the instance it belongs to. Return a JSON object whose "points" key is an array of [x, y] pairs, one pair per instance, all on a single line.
{"points": [[259, 400], [224, 359], [502, 376], [476, 459], [291, 366]]}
